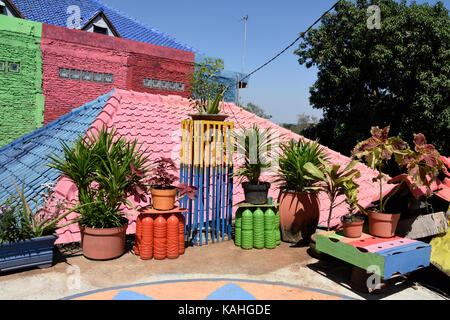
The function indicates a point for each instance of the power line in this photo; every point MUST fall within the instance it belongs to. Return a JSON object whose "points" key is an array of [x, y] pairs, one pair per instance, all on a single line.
{"points": [[284, 50]]}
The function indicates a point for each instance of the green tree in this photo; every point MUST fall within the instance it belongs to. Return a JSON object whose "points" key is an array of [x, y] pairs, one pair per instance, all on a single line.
{"points": [[253, 108], [206, 89], [398, 75], [304, 123]]}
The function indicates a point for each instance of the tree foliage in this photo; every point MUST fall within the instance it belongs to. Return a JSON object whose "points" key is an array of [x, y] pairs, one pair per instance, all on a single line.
{"points": [[305, 123], [398, 75], [257, 110]]}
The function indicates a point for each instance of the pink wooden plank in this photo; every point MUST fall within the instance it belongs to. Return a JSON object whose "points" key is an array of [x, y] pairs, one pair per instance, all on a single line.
{"points": [[371, 240], [364, 236], [388, 244]]}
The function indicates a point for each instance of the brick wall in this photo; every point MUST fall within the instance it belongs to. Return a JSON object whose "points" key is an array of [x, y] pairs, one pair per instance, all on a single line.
{"points": [[82, 51], [128, 61], [21, 98]]}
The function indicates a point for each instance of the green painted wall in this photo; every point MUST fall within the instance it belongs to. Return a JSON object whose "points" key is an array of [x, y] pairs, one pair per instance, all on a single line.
{"points": [[21, 96]]}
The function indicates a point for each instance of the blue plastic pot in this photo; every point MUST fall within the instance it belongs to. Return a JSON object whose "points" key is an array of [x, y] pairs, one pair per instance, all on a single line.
{"points": [[36, 252]]}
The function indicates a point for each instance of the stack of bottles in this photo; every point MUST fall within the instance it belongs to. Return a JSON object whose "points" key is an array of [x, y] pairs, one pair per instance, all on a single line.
{"points": [[257, 229], [159, 236], [247, 230]]}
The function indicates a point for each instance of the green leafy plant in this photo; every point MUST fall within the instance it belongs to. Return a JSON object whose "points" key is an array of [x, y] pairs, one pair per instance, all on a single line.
{"points": [[19, 222], [13, 225], [333, 181], [106, 169], [292, 172], [351, 190], [349, 218], [206, 91], [256, 147]]}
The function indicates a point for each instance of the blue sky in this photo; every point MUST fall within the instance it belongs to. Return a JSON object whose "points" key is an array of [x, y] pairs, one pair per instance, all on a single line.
{"points": [[213, 27]]}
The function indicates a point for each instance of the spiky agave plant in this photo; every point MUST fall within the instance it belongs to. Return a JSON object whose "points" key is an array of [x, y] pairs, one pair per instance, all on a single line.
{"points": [[257, 149], [292, 173]]}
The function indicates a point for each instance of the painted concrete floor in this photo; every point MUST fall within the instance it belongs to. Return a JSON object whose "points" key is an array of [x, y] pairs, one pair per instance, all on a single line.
{"points": [[217, 271]]}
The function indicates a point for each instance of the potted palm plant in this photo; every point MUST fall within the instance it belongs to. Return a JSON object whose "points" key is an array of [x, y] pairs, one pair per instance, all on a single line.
{"points": [[163, 190], [206, 92], [299, 206], [27, 236], [256, 149], [106, 169]]}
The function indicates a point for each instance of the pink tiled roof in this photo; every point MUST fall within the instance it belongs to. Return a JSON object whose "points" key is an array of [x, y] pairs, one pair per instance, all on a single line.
{"points": [[155, 121]]}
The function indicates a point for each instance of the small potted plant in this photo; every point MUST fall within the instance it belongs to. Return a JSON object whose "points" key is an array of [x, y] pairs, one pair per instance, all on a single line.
{"points": [[163, 190], [106, 169], [27, 236], [299, 205], [423, 165], [352, 224], [256, 149], [206, 92], [333, 181], [376, 151]]}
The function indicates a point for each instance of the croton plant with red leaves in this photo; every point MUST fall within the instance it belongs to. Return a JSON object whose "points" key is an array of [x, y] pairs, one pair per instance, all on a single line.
{"points": [[423, 164]]}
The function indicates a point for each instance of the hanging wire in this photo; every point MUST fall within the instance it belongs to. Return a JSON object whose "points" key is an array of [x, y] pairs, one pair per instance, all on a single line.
{"points": [[281, 52]]}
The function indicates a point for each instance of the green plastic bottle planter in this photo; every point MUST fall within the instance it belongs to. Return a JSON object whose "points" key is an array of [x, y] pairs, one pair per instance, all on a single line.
{"points": [[277, 228], [247, 239], [238, 228], [247, 220], [258, 229]]}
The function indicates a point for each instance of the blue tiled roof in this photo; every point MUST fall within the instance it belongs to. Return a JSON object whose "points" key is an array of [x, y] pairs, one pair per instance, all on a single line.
{"points": [[55, 12], [26, 157]]}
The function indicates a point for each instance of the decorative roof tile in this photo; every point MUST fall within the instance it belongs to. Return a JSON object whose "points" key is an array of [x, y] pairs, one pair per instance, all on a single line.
{"points": [[55, 12], [25, 158], [156, 122]]}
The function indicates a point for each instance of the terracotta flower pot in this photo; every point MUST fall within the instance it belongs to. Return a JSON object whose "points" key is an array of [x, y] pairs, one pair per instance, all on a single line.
{"points": [[383, 224], [164, 199], [299, 215], [103, 244], [352, 229]]}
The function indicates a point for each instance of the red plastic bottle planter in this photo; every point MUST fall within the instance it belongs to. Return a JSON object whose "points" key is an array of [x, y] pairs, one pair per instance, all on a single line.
{"points": [[173, 238], [160, 238], [138, 235], [181, 222], [146, 241]]}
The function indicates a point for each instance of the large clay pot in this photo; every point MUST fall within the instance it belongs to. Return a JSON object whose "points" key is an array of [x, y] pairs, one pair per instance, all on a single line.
{"points": [[164, 199], [103, 244], [256, 193], [383, 224], [299, 216]]}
